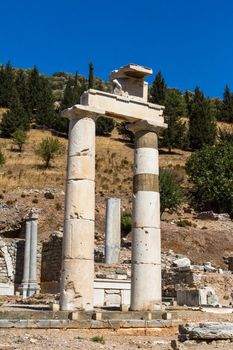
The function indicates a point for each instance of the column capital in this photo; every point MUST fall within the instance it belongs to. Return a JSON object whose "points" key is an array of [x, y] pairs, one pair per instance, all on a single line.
{"points": [[147, 125], [32, 215], [80, 111]]}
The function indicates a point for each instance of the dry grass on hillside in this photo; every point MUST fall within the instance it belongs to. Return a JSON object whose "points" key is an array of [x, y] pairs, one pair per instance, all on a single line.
{"points": [[114, 164], [25, 169]]}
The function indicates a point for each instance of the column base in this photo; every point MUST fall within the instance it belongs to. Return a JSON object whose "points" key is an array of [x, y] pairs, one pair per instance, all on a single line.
{"points": [[23, 289], [33, 288]]}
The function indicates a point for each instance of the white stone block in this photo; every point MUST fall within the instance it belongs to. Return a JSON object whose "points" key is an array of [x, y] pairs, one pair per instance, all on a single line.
{"points": [[80, 200], [98, 297], [7, 289], [112, 230], [146, 286], [79, 239], [146, 245], [146, 209], [77, 284], [81, 167], [81, 137], [122, 107], [146, 161]]}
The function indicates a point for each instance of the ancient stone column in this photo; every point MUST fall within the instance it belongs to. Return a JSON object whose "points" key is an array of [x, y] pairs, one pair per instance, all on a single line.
{"points": [[77, 275], [146, 251], [112, 230], [24, 285], [33, 286]]}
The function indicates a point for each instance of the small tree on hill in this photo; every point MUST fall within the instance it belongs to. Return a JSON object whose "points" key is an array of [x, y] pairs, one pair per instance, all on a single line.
{"points": [[48, 149], [19, 138]]}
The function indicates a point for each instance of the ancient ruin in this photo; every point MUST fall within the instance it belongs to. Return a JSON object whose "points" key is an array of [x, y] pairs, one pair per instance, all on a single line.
{"points": [[128, 102]]}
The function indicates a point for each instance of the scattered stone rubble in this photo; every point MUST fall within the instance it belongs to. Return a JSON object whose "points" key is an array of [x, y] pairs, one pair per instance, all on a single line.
{"points": [[206, 332]]}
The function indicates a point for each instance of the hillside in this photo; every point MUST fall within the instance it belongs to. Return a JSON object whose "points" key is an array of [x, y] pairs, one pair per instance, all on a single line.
{"points": [[24, 184]]}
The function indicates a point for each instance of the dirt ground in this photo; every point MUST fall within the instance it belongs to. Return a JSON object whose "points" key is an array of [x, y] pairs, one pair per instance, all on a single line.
{"points": [[157, 339]]}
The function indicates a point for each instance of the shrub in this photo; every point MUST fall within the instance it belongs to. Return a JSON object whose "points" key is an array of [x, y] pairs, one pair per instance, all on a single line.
{"points": [[122, 130], [19, 138], [211, 171], [126, 223], [183, 223], [48, 149], [2, 158], [226, 135], [171, 193], [104, 126], [98, 339]]}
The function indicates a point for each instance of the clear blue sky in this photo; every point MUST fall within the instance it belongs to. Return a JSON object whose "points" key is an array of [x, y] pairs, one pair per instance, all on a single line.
{"points": [[190, 41]]}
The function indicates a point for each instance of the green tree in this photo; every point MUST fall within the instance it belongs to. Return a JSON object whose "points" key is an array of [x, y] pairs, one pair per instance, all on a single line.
{"points": [[227, 106], [158, 90], [202, 125], [67, 100], [171, 194], [7, 85], [176, 133], [44, 114], [48, 149], [22, 86], [14, 119], [104, 126], [91, 77], [19, 138], [211, 172], [126, 223], [34, 86]]}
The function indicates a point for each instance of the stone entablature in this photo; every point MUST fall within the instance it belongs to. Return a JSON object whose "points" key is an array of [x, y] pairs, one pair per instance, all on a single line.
{"points": [[127, 102]]}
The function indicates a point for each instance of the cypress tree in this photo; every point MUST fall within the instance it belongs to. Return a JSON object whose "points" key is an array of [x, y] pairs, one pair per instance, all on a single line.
{"points": [[91, 76], [14, 119], [175, 134], [22, 86], [34, 86], [67, 100], [7, 85], [44, 113], [202, 125], [227, 106], [158, 90]]}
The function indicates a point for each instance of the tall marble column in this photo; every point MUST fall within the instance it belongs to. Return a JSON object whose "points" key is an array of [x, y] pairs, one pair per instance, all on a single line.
{"points": [[77, 275], [112, 230], [146, 246], [25, 281], [33, 286]]}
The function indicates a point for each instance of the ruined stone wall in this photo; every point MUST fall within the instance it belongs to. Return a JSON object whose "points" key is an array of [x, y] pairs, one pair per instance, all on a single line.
{"points": [[12, 260], [222, 283], [51, 258]]}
